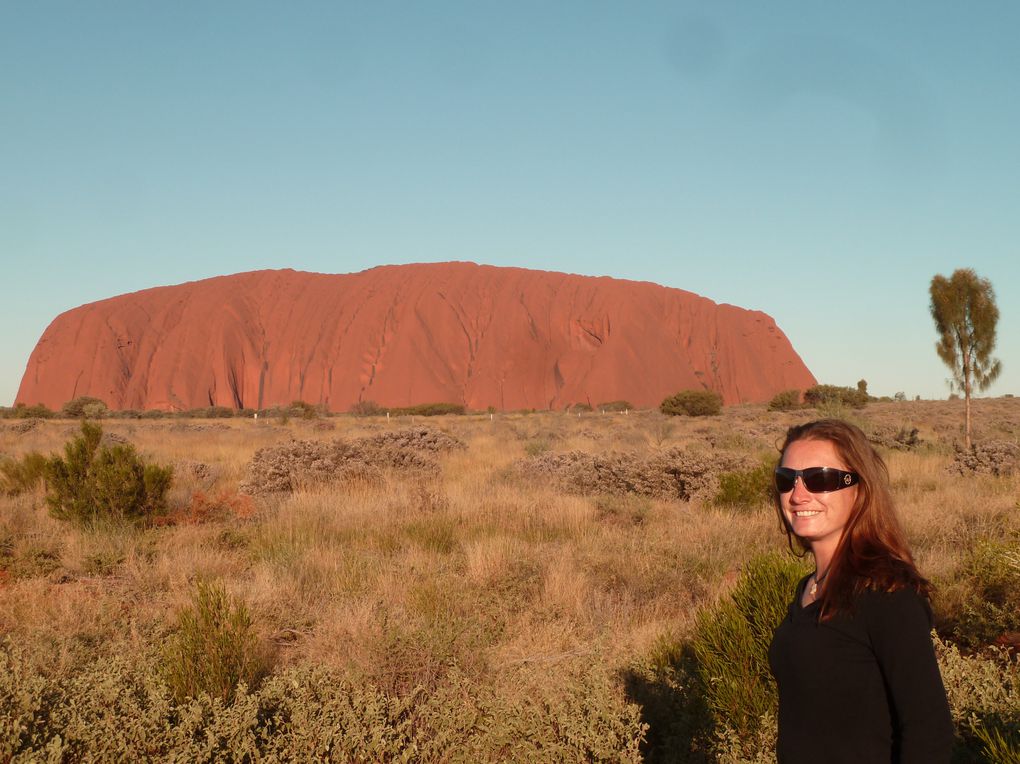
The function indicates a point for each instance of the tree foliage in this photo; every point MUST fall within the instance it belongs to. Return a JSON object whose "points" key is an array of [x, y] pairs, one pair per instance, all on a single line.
{"points": [[963, 307]]}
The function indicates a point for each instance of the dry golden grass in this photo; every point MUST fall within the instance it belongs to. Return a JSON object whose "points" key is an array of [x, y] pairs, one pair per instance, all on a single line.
{"points": [[399, 582]]}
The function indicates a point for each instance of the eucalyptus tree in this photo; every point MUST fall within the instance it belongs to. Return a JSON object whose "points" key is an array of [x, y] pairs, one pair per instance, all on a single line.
{"points": [[965, 314]]}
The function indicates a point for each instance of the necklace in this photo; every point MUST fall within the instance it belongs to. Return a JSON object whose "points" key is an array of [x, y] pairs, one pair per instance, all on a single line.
{"points": [[815, 581]]}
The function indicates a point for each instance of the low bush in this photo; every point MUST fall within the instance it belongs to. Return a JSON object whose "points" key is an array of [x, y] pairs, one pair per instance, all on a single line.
{"points": [[829, 395], [787, 400], [747, 489], [430, 409], [287, 466], [615, 406], [413, 439], [84, 406], [214, 649], [22, 475], [984, 698], [674, 474], [992, 457], [95, 483], [981, 600], [900, 438], [692, 403], [305, 410], [122, 709], [366, 408], [21, 411]]}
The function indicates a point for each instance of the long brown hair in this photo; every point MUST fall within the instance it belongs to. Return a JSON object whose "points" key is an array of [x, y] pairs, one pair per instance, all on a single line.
{"points": [[872, 552]]}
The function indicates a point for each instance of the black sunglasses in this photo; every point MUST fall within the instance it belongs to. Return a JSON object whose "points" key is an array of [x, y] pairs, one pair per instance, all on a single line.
{"points": [[815, 479]]}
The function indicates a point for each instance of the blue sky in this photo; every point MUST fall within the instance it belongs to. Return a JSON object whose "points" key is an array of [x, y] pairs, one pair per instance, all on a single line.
{"points": [[819, 162]]}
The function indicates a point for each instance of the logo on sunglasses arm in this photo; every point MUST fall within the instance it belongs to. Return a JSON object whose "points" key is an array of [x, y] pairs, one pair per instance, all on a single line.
{"points": [[847, 478]]}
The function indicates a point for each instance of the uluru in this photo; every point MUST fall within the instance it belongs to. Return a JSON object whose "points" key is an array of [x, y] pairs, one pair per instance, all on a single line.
{"points": [[401, 335]]}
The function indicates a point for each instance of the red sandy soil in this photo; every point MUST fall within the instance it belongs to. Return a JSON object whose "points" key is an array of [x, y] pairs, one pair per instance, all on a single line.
{"points": [[407, 334]]}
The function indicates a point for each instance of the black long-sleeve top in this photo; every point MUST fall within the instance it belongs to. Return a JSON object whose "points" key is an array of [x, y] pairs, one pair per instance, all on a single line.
{"points": [[863, 687]]}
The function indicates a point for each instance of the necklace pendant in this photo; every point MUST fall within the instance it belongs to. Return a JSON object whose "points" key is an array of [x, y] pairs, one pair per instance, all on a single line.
{"points": [[813, 590]]}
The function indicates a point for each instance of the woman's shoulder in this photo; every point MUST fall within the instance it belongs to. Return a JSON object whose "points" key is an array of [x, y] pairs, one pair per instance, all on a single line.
{"points": [[900, 606]]}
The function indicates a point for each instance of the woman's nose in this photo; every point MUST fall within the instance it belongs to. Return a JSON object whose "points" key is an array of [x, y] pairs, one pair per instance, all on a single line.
{"points": [[800, 492]]}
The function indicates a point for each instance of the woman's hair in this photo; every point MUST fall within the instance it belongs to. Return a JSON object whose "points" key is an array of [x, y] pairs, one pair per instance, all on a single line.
{"points": [[872, 552]]}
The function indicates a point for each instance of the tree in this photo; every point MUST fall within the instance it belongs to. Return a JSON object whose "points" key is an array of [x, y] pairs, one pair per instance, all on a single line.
{"points": [[965, 314]]}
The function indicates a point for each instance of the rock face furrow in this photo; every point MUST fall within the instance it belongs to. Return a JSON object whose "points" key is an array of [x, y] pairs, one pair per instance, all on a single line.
{"points": [[407, 334]]}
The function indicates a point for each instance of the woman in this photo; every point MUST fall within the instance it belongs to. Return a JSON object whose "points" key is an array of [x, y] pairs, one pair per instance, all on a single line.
{"points": [[853, 659]]}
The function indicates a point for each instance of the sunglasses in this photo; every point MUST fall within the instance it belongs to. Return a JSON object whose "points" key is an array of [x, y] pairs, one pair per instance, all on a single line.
{"points": [[815, 479]]}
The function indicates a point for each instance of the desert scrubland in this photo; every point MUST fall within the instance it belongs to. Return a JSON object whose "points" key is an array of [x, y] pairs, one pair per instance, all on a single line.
{"points": [[533, 587]]}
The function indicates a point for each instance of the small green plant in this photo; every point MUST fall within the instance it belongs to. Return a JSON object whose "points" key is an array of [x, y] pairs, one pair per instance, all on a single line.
{"points": [[787, 400], [215, 648], [623, 510], [731, 643], [537, 446], [746, 489], [692, 403], [93, 483], [19, 476]]}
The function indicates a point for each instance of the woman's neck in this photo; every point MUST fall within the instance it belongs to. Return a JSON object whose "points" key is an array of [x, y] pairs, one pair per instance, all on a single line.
{"points": [[823, 558]]}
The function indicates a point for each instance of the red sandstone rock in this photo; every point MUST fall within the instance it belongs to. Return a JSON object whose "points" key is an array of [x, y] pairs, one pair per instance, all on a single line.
{"points": [[406, 334]]}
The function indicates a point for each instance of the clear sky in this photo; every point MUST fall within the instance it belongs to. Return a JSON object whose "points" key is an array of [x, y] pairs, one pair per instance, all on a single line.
{"points": [[816, 161]]}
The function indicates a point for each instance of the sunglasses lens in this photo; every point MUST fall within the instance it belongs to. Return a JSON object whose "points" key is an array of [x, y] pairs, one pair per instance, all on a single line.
{"points": [[822, 480], [785, 478]]}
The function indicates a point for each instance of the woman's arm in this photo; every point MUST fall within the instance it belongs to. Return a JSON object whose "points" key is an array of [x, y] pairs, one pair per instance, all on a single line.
{"points": [[899, 625]]}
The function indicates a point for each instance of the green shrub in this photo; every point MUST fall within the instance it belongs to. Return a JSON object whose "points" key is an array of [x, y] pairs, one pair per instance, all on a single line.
{"points": [[731, 643], [366, 408], [430, 409], [821, 395], [19, 476], [788, 400], [84, 406], [537, 446], [984, 698], [615, 406], [981, 601], [305, 410], [93, 483], [692, 403], [576, 408], [746, 489], [21, 411], [214, 649]]}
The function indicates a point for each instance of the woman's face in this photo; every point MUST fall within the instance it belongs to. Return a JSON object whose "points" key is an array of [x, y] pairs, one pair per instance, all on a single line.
{"points": [[818, 518]]}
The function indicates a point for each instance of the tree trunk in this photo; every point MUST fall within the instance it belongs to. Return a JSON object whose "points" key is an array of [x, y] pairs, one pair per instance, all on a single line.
{"points": [[966, 396]]}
